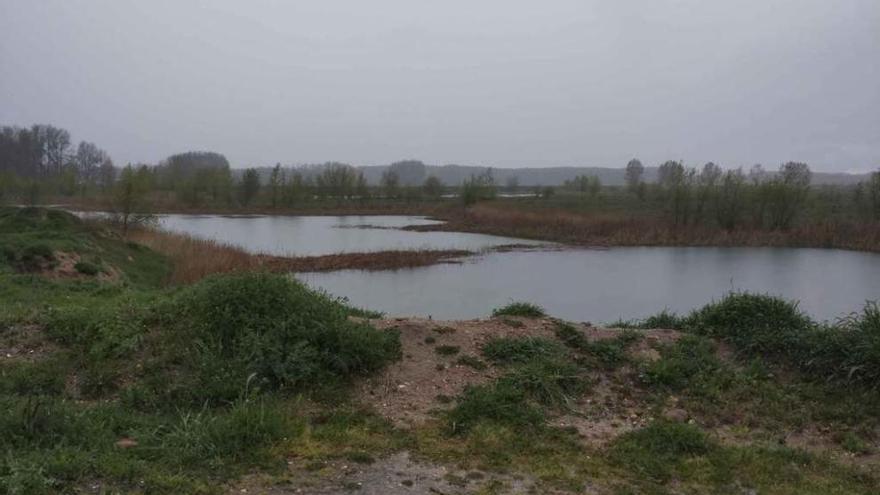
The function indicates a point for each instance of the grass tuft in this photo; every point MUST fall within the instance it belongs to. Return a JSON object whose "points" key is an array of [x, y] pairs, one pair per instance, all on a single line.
{"points": [[523, 309]]}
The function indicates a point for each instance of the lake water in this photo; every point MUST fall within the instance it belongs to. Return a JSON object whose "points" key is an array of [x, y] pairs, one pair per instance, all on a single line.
{"points": [[575, 284], [319, 235], [604, 285]]}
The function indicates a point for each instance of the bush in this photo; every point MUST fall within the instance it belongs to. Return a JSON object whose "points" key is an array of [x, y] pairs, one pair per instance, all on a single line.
{"points": [[664, 320], [767, 326], [528, 310], [87, 268], [275, 329], [754, 323]]}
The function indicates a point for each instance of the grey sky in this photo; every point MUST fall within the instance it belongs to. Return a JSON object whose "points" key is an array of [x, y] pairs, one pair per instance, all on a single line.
{"points": [[504, 83]]}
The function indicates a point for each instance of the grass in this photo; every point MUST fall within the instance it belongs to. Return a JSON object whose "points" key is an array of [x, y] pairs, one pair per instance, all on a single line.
{"points": [[608, 353], [472, 361], [520, 350], [240, 373], [447, 350], [205, 380], [524, 309]]}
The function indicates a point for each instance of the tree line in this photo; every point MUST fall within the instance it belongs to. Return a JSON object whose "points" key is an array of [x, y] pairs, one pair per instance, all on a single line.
{"points": [[41, 162]]}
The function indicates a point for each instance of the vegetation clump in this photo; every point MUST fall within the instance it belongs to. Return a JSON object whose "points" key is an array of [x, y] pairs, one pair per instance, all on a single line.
{"points": [[524, 309], [761, 325], [520, 350], [274, 330]]}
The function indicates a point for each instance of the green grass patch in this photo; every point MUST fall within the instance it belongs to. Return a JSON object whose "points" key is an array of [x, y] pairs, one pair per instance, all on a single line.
{"points": [[507, 350], [524, 309]]}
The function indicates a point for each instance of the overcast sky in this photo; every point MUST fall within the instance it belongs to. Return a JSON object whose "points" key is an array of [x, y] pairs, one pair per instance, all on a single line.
{"points": [[503, 83]]}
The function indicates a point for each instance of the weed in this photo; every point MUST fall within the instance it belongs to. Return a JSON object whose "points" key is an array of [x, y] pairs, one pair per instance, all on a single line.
{"points": [[447, 350], [523, 309], [471, 361], [657, 450], [520, 350], [609, 353]]}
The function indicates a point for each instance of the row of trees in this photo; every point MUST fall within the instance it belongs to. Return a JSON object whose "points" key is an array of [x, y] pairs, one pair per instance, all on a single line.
{"points": [[44, 157]]}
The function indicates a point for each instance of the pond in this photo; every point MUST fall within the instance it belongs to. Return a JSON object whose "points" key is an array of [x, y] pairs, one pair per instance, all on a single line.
{"points": [[604, 285], [320, 235]]}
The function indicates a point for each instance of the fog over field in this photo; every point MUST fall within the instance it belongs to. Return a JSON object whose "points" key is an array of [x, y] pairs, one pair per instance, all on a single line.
{"points": [[492, 83]]}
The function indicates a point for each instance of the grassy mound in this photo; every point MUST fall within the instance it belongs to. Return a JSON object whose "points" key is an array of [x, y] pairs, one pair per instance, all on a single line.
{"points": [[525, 309], [272, 331], [33, 241]]}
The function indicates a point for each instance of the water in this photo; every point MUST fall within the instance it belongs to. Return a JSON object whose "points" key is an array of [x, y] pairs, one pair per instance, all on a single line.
{"points": [[320, 235], [605, 285]]}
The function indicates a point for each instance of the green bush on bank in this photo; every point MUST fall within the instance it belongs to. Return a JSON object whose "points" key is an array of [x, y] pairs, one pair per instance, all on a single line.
{"points": [[762, 325], [271, 331]]}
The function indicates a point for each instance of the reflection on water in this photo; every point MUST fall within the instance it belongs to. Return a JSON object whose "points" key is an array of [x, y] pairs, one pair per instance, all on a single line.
{"points": [[604, 285], [319, 235]]}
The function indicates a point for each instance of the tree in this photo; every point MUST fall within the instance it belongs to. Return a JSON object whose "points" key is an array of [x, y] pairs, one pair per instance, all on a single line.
{"points": [[106, 175], [730, 199], [409, 172], [676, 182], [336, 180], [249, 187], [874, 194], [706, 184], [633, 176], [88, 160], [275, 181], [362, 189], [129, 206], [391, 183], [478, 187], [433, 187], [786, 193]]}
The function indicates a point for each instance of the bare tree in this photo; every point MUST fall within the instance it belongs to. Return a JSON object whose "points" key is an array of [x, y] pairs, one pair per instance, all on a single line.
{"points": [[129, 206], [633, 175]]}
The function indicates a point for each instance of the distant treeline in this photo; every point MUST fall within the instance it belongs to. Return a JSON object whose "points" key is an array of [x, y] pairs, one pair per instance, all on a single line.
{"points": [[41, 163]]}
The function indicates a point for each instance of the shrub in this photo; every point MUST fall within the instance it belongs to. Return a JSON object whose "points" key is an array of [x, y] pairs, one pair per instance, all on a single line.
{"points": [[520, 350], [767, 326], [525, 309], [276, 329], [663, 319], [34, 256], [87, 268], [754, 323]]}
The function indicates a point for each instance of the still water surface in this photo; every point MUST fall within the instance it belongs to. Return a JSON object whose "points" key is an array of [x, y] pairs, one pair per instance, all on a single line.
{"points": [[605, 285], [575, 284], [320, 235]]}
